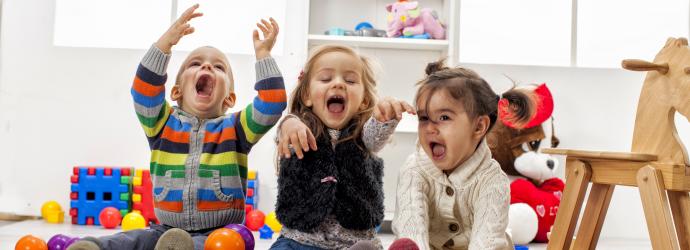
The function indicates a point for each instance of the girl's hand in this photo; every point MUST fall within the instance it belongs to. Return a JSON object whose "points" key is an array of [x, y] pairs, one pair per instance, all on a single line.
{"points": [[295, 133], [178, 29], [390, 108], [262, 48]]}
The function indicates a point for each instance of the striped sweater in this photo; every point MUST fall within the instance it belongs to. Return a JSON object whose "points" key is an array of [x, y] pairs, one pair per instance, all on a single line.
{"points": [[199, 167]]}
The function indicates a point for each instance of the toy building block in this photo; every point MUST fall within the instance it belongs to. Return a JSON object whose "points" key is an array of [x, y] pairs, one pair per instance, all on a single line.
{"points": [[95, 188], [142, 195], [252, 196]]}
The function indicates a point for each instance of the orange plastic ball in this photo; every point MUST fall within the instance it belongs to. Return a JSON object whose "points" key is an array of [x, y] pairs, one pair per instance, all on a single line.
{"points": [[224, 238], [30, 242]]}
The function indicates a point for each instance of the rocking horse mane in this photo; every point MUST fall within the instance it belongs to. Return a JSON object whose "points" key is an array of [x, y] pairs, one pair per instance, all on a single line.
{"points": [[666, 89]]}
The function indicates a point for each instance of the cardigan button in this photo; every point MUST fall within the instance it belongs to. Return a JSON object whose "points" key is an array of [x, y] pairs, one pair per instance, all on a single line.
{"points": [[453, 227], [449, 191], [449, 243]]}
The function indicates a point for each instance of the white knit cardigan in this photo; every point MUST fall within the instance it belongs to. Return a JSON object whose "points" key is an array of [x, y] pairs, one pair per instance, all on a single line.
{"points": [[467, 209]]}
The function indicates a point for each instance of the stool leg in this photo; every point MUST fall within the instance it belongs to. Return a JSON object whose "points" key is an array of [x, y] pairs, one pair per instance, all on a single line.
{"points": [[680, 208], [656, 208], [577, 178], [593, 217]]}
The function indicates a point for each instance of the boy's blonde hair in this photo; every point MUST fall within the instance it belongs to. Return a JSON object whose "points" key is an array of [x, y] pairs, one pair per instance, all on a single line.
{"points": [[301, 92]]}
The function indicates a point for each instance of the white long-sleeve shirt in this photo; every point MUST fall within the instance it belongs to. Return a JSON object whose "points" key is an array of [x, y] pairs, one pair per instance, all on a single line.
{"points": [[467, 209]]}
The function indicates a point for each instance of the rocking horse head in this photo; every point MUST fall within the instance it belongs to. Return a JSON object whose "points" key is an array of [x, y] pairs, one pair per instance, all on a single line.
{"points": [[666, 89]]}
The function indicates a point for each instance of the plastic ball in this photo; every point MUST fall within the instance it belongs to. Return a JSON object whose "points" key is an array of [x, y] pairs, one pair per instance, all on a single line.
{"points": [[224, 238], [255, 220], [522, 223], [110, 217], [273, 223], [61, 242], [51, 212], [30, 242], [246, 234], [133, 221]]}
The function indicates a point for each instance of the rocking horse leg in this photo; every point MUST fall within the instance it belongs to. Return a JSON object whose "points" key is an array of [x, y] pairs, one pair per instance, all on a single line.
{"points": [[680, 208], [593, 217], [656, 208], [577, 177]]}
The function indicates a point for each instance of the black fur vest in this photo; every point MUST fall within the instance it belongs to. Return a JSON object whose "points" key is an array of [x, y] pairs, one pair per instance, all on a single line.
{"points": [[345, 181]]}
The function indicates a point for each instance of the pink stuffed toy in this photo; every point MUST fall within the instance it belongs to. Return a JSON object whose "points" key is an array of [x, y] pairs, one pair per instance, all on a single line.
{"points": [[407, 19]]}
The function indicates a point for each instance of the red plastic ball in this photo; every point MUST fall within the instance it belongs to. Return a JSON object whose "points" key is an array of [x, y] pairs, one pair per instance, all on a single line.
{"points": [[225, 239], [30, 242], [110, 217], [255, 220]]}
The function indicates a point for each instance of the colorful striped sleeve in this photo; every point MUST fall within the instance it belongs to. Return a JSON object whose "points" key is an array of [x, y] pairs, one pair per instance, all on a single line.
{"points": [[265, 111], [148, 92]]}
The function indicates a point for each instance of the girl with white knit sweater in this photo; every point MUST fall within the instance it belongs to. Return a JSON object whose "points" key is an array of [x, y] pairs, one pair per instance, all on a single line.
{"points": [[451, 193]]}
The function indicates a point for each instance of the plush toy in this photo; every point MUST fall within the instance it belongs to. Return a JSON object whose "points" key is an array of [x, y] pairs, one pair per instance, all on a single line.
{"points": [[515, 147], [407, 19]]}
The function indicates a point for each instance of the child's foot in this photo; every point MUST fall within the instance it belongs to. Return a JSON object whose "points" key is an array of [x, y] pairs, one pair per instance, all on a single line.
{"points": [[87, 243], [175, 239]]}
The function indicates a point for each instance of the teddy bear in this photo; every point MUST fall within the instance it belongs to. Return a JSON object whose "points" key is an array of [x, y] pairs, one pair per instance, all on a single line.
{"points": [[535, 190], [407, 19]]}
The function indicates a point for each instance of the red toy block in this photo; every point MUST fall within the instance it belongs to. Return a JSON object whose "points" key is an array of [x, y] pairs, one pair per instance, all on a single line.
{"points": [[74, 220], [75, 170], [74, 179], [248, 208], [250, 192], [91, 171], [73, 195], [145, 191], [125, 171], [108, 172], [89, 220], [73, 212]]}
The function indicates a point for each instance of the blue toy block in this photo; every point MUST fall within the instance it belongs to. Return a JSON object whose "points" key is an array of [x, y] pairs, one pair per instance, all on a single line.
{"points": [[98, 191], [252, 184], [265, 233], [249, 201]]}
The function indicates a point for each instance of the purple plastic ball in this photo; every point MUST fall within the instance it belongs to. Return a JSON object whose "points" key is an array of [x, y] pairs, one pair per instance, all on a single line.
{"points": [[246, 234], [60, 242]]}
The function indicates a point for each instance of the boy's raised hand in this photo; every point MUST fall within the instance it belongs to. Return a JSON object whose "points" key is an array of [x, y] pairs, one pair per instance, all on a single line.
{"points": [[178, 29], [390, 108], [262, 48], [294, 133]]}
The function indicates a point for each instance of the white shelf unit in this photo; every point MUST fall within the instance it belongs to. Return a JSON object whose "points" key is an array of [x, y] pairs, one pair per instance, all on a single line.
{"points": [[402, 61]]}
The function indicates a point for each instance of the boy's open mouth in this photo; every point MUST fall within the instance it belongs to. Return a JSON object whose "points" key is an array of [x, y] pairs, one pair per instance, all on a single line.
{"points": [[204, 85], [437, 150], [335, 104]]}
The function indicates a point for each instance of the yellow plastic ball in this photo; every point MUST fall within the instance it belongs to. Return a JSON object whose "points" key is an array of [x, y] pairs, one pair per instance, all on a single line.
{"points": [[273, 223], [133, 221], [52, 212]]}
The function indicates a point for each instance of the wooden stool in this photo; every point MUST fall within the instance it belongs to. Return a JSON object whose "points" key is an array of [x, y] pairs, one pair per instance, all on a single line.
{"points": [[659, 166]]}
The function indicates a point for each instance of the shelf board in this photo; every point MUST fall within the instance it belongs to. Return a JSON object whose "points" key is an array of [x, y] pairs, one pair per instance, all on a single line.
{"points": [[380, 42]]}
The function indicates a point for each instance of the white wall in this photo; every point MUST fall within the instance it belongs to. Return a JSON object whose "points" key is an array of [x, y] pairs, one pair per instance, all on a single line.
{"points": [[63, 107]]}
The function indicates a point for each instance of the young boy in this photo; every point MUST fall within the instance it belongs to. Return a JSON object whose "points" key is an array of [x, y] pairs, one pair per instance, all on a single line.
{"points": [[198, 153]]}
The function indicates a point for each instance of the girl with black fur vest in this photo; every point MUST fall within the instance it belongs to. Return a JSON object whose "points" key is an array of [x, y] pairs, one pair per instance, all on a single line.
{"points": [[330, 193]]}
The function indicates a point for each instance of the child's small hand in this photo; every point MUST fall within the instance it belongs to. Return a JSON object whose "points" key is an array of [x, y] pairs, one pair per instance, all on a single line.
{"points": [[262, 48], [295, 133], [178, 29], [390, 108]]}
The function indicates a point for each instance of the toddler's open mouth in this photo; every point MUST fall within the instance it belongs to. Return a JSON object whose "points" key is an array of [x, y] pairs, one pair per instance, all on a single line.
{"points": [[204, 85]]}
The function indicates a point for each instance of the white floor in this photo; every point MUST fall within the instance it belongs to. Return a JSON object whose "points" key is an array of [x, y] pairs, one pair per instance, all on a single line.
{"points": [[11, 232]]}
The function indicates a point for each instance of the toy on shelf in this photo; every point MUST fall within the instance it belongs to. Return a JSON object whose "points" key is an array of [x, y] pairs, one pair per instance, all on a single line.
{"points": [[110, 217], [362, 29], [255, 220], [265, 233], [251, 201], [61, 242], [142, 195], [515, 147], [225, 239], [52, 212], [133, 221], [95, 188], [273, 223], [30, 242], [246, 234], [408, 19]]}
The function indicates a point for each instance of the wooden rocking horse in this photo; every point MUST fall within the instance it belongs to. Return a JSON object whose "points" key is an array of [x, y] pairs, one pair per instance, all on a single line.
{"points": [[658, 164]]}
